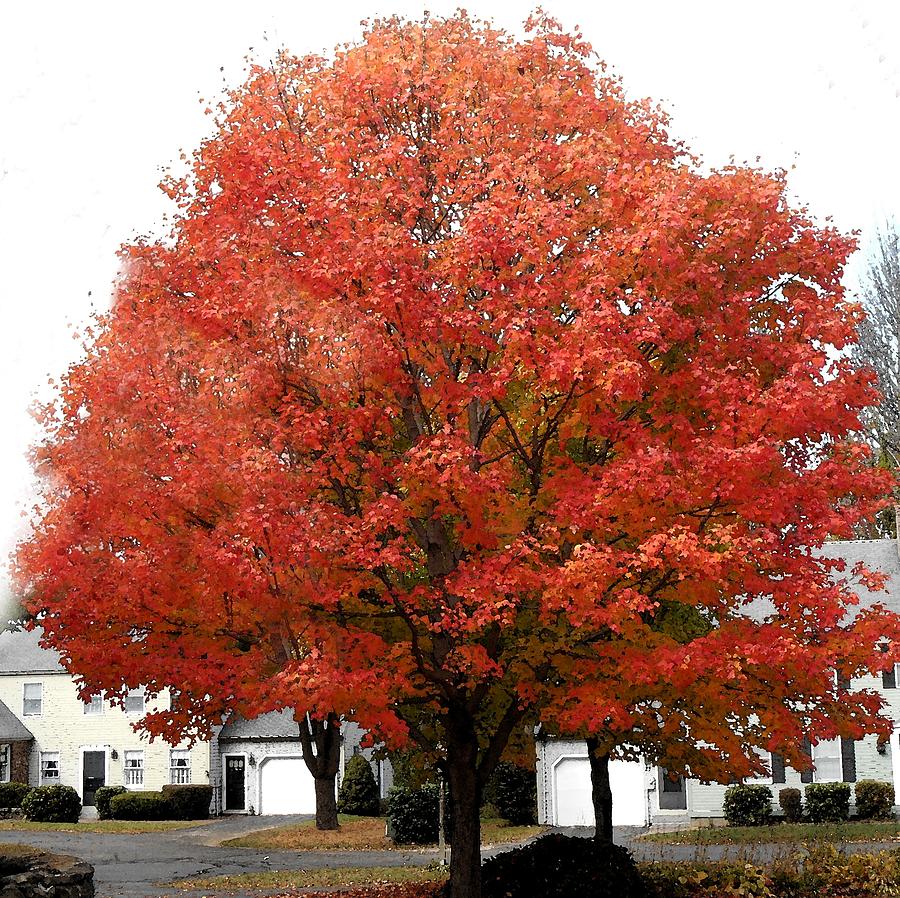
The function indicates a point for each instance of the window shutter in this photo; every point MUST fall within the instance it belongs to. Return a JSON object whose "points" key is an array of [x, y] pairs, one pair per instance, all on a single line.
{"points": [[806, 776], [776, 762], [889, 678], [848, 760]]}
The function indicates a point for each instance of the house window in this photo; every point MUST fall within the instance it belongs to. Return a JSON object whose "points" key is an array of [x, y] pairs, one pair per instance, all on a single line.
{"points": [[134, 703], [134, 768], [826, 757], [32, 699], [179, 766], [4, 763], [49, 768], [94, 705]]}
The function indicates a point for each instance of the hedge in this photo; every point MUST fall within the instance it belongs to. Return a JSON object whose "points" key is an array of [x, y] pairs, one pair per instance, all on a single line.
{"points": [[412, 815], [748, 805], [11, 794], [874, 800], [172, 803], [512, 790], [792, 804], [140, 806], [102, 798], [558, 866], [827, 802], [188, 802], [52, 804]]}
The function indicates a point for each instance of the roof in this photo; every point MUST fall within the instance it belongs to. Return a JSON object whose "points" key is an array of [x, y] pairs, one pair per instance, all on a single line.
{"points": [[274, 725], [878, 555], [11, 728], [20, 653]]}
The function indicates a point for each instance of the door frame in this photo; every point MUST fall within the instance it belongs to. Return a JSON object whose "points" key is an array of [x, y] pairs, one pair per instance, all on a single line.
{"points": [[81, 752], [225, 757]]}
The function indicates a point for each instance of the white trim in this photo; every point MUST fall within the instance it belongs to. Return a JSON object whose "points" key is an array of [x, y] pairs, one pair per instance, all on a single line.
{"points": [[225, 757]]}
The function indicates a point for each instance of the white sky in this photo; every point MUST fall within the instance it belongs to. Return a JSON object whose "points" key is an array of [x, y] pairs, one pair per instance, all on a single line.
{"points": [[97, 97]]}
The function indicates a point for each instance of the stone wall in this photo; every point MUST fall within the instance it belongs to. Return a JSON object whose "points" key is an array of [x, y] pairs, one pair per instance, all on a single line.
{"points": [[48, 875]]}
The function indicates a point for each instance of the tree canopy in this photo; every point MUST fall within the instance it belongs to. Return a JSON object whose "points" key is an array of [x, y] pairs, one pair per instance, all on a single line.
{"points": [[461, 396]]}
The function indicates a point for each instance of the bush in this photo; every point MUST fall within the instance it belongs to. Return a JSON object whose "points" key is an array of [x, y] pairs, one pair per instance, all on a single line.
{"points": [[412, 815], [874, 800], [52, 804], [791, 804], [359, 791], [748, 805], [557, 866], [188, 802], [140, 806], [512, 790], [827, 802], [713, 879], [102, 798], [11, 794]]}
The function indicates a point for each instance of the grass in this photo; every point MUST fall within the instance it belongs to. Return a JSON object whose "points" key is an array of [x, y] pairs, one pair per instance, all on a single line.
{"points": [[359, 834], [310, 879], [100, 826], [863, 831]]}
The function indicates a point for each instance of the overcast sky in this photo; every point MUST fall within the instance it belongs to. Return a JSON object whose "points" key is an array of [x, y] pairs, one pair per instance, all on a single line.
{"points": [[97, 98]]}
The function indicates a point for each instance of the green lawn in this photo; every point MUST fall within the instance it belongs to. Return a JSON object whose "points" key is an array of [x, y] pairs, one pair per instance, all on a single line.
{"points": [[864, 831], [310, 879], [101, 826], [359, 834]]}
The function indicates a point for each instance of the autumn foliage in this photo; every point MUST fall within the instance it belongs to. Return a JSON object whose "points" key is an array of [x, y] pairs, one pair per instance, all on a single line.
{"points": [[460, 397]]}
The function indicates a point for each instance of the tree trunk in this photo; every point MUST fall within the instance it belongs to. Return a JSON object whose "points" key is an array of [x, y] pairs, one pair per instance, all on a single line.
{"points": [[326, 803], [465, 803], [321, 741], [601, 792]]}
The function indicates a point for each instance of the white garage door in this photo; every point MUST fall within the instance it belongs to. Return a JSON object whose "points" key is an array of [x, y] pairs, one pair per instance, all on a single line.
{"points": [[286, 787], [572, 793]]}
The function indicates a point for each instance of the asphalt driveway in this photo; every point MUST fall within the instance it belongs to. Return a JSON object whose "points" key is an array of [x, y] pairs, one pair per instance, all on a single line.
{"points": [[135, 866]]}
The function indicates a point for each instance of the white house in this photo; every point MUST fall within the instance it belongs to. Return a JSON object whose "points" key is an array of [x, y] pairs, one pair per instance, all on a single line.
{"points": [[643, 795], [49, 736]]}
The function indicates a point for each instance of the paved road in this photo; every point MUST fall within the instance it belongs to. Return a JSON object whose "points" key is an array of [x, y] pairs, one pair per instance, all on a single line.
{"points": [[134, 866]]}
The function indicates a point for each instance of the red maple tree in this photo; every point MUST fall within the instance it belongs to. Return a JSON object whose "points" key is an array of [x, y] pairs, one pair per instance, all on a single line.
{"points": [[459, 397]]}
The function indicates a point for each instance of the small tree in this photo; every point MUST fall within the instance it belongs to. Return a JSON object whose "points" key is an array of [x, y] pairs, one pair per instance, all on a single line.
{"points": [[359, 791]]}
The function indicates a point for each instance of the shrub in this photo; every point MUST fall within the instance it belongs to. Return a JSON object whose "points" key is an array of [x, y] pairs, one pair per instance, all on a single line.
{"points": [[874, 800], [412, 815], [102, 798], [188, 802], [827, 802], [791, 804], [748, 805], [11, 794], [713, 879], [512, 790], [140, 806], [52, 804], [359, 791], [557, 866]]}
